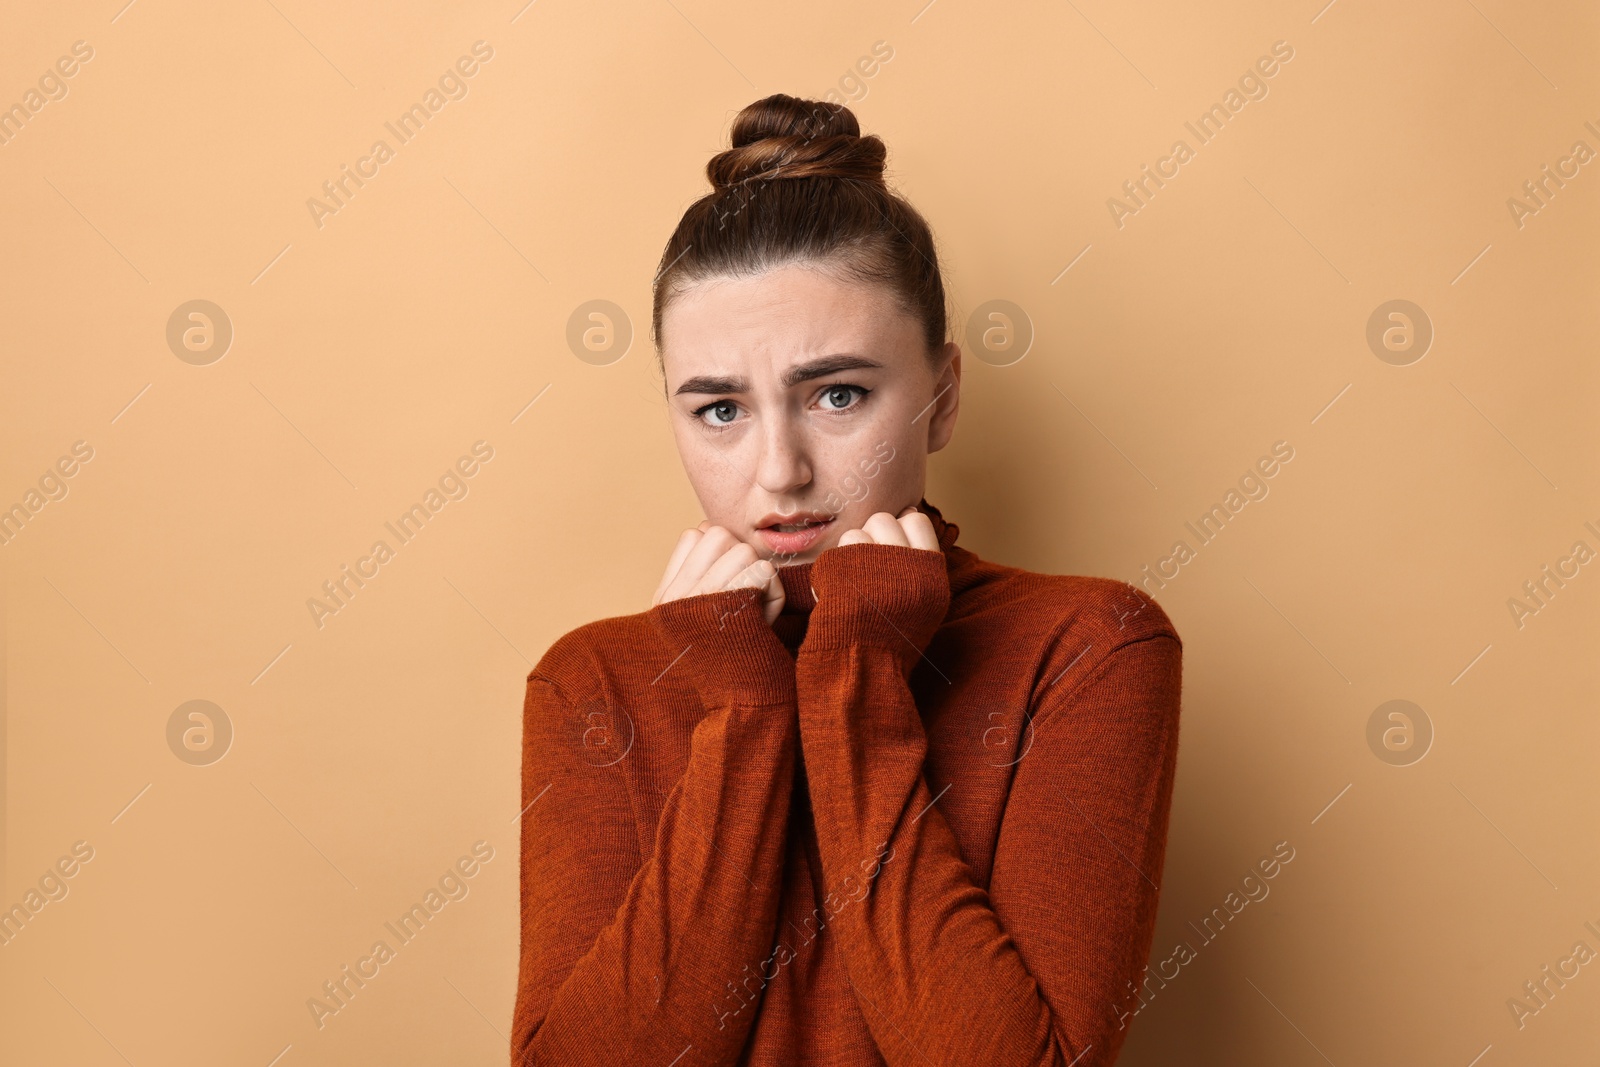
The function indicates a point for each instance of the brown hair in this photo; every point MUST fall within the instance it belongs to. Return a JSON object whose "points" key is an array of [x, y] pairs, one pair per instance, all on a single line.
{"points": [[801, 183]]}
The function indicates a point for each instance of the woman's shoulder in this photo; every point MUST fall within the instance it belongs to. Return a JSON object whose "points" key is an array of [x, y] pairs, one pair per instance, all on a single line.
{"points": [[617, 649], [1066, 628], [1093, 627], [1117, 609], [1107, 609]]}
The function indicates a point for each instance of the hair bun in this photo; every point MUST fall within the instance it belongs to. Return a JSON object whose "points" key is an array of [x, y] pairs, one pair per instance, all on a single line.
{"points": [[785, 137]]}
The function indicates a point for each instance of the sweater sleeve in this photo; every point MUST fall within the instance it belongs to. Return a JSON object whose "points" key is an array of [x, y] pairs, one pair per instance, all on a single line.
{"points": [[1030, 972], [629, 961]]}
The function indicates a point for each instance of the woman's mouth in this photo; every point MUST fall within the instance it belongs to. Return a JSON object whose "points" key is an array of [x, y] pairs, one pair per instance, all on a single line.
{"points": [[793, 538]]}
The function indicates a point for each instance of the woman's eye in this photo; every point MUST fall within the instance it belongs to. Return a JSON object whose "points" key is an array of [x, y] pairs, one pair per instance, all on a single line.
{"points": [[840, 397], [721, 413]]}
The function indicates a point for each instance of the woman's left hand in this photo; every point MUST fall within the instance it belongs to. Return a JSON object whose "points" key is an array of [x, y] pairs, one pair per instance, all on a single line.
{"points": [[893, 602], [912, 529]]}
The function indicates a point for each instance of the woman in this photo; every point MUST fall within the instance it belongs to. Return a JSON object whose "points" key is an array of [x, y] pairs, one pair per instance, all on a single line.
{"points": [[846, 793]]}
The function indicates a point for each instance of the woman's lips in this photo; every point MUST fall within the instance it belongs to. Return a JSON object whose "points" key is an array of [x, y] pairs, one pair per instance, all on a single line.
{"points": [[796, 542]]}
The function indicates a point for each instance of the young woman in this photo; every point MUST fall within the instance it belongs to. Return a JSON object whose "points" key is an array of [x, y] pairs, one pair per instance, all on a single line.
{"points": [[846, 793]]}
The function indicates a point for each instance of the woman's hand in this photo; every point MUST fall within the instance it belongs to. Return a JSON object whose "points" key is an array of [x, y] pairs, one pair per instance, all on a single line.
{"points": [[890, 601], [709, 559], [913, 529]]}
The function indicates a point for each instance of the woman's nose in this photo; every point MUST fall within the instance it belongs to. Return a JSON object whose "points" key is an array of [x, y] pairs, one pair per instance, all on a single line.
{"points": [[784, 464]]}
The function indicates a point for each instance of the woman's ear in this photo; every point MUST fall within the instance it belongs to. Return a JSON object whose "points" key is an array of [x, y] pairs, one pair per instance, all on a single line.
{"points": [[947, 397]]}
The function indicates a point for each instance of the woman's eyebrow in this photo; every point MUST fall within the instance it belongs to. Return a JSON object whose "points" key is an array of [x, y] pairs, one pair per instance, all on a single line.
{"points": [[801, 372]]}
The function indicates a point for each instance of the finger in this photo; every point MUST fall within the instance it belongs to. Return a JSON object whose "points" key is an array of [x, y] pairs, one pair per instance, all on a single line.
{"points": [[757, 574], [885, 530], [919, 531], [680, 552], [728, 567], [854, 537], [712, 544]]}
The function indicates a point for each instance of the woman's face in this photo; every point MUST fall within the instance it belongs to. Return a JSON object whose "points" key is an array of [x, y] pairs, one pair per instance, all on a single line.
{"points": [[802, 404]]}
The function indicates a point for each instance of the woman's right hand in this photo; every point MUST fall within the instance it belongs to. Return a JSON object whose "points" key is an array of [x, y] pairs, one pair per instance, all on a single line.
{"points": [[709, 559]]}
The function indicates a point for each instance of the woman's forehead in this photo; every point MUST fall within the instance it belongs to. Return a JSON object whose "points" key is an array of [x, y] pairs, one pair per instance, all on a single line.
{"points": [[778, 318]]}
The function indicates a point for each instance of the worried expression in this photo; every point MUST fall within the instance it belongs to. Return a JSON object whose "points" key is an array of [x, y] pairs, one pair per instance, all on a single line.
{"points": [[802, 403]]}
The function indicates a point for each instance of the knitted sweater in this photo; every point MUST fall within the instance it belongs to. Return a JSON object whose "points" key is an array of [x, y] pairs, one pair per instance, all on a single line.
{"points": [[921, 819]]}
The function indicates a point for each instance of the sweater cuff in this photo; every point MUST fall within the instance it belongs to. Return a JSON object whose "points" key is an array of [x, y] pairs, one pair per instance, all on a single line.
{"points": [[725, 648], [892, 596]]}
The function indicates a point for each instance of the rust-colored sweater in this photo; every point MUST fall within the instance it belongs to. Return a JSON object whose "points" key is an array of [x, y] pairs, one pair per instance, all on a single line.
{"points": [[919, 820]]}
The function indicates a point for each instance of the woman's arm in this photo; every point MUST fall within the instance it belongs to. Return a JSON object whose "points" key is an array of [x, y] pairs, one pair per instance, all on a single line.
{"points": [[637, 962], [1032, 971]]}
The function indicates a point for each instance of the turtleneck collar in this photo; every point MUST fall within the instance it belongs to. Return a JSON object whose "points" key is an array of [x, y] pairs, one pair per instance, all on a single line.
{"points": [[796, 577]]}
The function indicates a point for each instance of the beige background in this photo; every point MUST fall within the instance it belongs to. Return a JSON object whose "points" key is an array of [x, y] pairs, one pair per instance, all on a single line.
{"points": [[368, 354]]}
